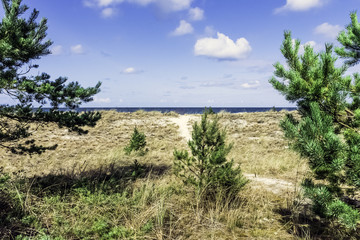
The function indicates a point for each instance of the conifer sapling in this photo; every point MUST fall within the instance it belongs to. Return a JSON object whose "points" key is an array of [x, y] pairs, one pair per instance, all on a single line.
{"points": [[137, 143], [206, 167]]}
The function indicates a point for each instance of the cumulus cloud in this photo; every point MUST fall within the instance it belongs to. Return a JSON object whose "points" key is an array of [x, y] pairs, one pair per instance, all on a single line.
{"points": [[222, 47], [196, 14], [164, 5], [108, 12], [130, 70], [315, 46], [299, 5], [77, 49], [173, 5], [57, 50], [183, 28], [100, 3], [251, 85], [105, 3], [311, 44], [328, 30]]}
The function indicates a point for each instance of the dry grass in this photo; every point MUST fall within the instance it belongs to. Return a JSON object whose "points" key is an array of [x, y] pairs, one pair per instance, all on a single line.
{"points": [[156, 205], [259, 145]]}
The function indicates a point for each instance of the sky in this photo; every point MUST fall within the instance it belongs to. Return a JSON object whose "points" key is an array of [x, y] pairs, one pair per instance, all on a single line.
{"points": [[182, 53]]}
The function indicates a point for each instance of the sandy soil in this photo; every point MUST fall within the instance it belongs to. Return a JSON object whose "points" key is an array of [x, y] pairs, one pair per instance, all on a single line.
{"points": [[276, 186], [184, 123]]}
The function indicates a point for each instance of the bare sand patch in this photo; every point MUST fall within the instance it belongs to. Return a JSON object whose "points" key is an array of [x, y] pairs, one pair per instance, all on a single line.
{"points": [[184, 124], [276, 186]]}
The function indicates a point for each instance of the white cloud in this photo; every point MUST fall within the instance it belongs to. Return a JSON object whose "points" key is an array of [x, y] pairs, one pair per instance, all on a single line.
{"points": [[222, 48], [251, 85], [105, 3], [299, 5], [173, 5], [310, 43], [165, 5], [183, 28], [108, 12], [77, 49], [101, 3], [328, 30], [131, 70], [196, 14], [102, 100], [315, 46], [57, 50]]}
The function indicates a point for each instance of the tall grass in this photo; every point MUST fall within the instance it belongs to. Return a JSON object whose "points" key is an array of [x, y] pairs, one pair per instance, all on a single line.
{"points": [[87, 188]]}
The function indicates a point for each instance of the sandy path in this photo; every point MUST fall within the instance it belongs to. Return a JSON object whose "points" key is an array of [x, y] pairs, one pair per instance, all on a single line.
{"points": [[276, 186], [184, 123]]}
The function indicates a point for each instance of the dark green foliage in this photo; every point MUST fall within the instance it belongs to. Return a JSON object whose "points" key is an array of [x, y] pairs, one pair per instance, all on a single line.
{"points": [[326, 204], [137, 143], [138, 169], [312, 77], [350, 39], [209, 110], [328, 132], [353, 158], [22, 41], [206, 167], [314, 137]]}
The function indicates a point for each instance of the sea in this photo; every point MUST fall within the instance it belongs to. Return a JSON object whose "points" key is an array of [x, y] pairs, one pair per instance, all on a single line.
{"points": [[187, 110]]}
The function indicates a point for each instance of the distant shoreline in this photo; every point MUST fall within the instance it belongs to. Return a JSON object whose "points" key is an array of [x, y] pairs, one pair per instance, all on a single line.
{"points": [[183, 110]]}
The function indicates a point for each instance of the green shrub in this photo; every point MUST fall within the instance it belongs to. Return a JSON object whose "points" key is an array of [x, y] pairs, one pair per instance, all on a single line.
{"points": [[328, 132], [209, 110], [137, 143], [207, 168]]}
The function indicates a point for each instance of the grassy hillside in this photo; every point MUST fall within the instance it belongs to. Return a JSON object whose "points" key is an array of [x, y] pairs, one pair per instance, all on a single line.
{"points": [[88, 188]]}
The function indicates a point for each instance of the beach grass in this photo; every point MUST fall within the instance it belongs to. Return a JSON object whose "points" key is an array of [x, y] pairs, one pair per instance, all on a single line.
{"points": [[88, 188]]}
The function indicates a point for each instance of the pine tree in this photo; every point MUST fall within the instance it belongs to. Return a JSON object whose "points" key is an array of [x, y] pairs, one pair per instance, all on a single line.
{"points": [[207, 168], [350, 40], [328, 132], [137, 143], [22, 41]]}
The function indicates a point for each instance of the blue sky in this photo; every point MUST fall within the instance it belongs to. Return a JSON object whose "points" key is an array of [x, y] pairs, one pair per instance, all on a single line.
{"points": [[159, 53]]}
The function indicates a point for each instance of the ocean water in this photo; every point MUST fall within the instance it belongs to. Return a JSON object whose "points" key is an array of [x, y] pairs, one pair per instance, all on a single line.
{"points": [[188, 110]]}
